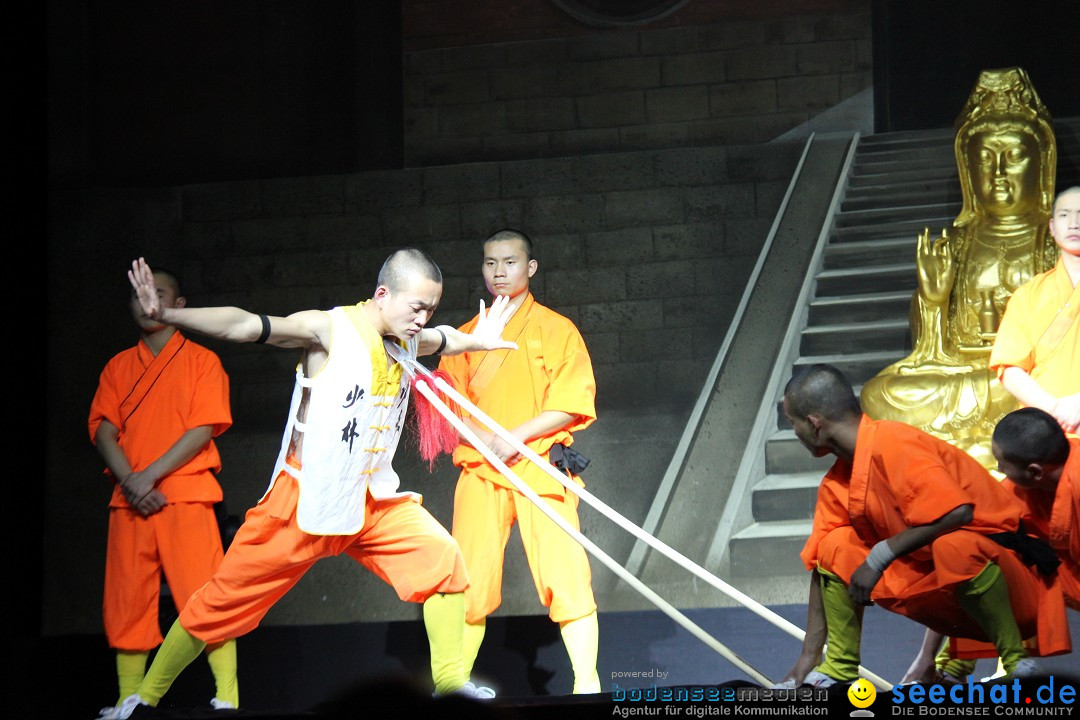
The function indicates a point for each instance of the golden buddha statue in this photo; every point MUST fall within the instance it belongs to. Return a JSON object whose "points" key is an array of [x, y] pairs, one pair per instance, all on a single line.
{"points": [[1006, 156]]}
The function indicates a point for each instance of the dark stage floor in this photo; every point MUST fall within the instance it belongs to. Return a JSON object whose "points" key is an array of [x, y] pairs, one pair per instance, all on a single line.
{"points": [[373, 669]]}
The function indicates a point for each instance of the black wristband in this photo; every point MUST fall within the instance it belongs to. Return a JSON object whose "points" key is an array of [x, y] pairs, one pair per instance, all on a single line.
{"points": [[265, 330], [442, 345]]}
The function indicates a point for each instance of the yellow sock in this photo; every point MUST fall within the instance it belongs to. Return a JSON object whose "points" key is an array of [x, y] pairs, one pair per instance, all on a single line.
{"points": [[953, 666], [130, 668], [444, 619], [222, 659], [582, 638], [474, 637], [176, 653], [844, 620], [986, 598]]}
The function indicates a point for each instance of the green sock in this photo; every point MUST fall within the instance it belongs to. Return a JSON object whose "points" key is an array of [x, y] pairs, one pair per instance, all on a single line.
{"points": [[130, 668], [953, 666], [986, 598], [844, 619], [176, 653], [222, 660]]}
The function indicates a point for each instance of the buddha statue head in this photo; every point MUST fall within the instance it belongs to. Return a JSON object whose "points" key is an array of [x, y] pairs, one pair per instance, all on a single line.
{"points": [[1006, 154]]}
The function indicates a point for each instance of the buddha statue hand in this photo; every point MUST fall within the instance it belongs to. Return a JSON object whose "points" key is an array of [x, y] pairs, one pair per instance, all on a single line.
{"points": [[936, 267]]}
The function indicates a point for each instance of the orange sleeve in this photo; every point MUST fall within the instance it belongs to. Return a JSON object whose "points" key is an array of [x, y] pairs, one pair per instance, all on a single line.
{"points": [[1012, 346], [924, 488], [106, 402], [830, 511], [209, 396], [572, 388]]}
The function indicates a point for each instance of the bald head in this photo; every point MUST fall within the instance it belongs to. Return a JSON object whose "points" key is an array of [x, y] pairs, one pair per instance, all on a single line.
{"points": [[511, 234], [405, 266], [1030, 435], [1063, 193], [822, 390]]}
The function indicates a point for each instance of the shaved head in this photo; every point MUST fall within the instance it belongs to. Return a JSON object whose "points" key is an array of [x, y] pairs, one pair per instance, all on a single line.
{"points": [[824, 391], [406, 266], [1029, 435], [167, 276], [511, 234], [1063, 193]]}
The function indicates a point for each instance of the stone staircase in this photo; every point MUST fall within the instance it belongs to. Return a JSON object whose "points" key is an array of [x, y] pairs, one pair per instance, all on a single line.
{"points": [[857, 317]]}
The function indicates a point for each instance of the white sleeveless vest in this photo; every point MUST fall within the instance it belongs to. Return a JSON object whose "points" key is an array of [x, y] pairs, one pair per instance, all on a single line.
{"points": [[350, 434]]}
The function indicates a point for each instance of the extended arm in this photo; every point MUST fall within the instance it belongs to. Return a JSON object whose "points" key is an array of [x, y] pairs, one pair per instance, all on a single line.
{"points": [[866, 577], [487, 335], [302, 329], [1026, 389]]}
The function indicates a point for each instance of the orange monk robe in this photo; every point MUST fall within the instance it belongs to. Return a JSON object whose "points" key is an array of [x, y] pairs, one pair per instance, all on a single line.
{"points": [[153, 401], [1055, 517], [550, 370], [1040, 332], [902, 477]]}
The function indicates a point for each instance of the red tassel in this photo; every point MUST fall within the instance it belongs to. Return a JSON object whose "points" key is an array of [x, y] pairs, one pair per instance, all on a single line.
{"points": [[434, 433]]}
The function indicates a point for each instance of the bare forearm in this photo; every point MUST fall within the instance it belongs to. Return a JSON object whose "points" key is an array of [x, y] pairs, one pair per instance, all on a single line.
{"points": [[913, 538], [188, 446], [1027, 390], [225, 323], [816, 625], [457, 342], [543, 424], [108, 446]]}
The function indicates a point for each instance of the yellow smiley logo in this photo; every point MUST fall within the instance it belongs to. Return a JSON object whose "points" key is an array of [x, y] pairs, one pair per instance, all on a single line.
{"points": [[861, 693]]}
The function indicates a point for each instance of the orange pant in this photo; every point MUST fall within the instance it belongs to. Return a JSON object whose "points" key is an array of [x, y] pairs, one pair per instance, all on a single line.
{"points": [[400, 542], [483, 515], [925, 590], [182, 540]]}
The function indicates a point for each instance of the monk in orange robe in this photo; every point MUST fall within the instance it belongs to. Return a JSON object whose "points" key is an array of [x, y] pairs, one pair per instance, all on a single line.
{"points": [[1042, 468], [915, 525], [543, 393], [1037, 349], [157, 407], [334, 489]]}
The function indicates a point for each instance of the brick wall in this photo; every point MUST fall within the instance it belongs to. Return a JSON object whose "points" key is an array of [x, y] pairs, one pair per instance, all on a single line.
{"points": [[647, 251], [742, 81]]}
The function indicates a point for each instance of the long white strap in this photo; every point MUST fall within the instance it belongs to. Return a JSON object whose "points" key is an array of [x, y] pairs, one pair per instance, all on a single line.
{"points": [[603, 557], [662, 547]]}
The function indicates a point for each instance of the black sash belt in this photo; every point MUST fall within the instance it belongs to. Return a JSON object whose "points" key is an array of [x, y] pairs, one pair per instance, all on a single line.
{"points": [[1031, 550], [567, 459]]}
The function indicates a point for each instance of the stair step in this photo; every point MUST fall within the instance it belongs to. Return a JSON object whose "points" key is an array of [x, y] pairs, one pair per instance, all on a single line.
{"points": [[785, 455], [769, 548], [857, 367], [896, 229], [888, 335], [902, 213], [880, 278], [865, 307], [869, 252]]}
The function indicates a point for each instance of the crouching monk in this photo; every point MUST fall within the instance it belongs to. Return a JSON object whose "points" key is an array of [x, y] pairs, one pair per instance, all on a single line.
{"points": [[910, 522]]}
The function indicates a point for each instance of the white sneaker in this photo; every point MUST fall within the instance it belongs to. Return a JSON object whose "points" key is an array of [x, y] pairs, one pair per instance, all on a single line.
{"points": [[788, 684], [221, 704], [476, 692], [819, 679], [470, 690], [123, 710]]}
